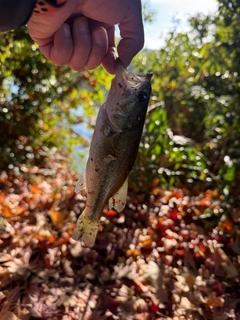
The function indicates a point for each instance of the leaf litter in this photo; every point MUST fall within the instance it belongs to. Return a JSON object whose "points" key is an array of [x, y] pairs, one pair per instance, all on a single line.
{"points": [[162, 258]]}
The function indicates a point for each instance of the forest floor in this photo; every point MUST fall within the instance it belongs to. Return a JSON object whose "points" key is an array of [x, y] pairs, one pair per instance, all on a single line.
{"points": [[167, 256]]}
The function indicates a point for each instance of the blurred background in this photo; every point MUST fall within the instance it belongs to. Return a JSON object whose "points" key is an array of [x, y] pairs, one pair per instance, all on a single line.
{"points": [[192, 49]]}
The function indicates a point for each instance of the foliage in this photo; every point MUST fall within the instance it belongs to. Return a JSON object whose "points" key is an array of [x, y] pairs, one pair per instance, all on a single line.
{"points": [[38, 100], [192, 130], [148, 14], [154, 261]]}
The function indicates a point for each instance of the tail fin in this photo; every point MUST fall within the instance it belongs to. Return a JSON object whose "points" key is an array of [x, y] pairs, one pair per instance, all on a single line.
{"points": [[86, 230]]}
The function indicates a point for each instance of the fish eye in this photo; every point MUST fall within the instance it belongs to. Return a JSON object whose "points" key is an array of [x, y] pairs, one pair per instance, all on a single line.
{"points": [[143, 96]]}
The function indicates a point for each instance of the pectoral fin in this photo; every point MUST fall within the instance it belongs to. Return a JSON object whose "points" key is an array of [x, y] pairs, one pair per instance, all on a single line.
{"points": [[81, 185], [118, 201]]}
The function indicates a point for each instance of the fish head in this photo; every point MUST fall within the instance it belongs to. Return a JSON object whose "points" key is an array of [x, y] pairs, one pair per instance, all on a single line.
{"points": [[128, 99]]}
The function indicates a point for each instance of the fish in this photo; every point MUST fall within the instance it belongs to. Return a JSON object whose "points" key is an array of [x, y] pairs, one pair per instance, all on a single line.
{"points": [[113, 150]]}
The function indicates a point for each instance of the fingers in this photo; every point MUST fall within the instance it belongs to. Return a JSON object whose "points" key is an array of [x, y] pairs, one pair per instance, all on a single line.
{"points": [[80, 47], [82, 44], [90, 46], [111, 55], [87, 41], [99, 48], [59, 50]]}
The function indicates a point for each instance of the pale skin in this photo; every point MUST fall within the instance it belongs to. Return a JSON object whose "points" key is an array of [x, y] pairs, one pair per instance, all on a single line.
{"points": [[81, 33]]}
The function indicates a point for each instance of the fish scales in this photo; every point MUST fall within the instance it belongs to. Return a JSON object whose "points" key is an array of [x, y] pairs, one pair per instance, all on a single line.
{"points": [[113, 150]]}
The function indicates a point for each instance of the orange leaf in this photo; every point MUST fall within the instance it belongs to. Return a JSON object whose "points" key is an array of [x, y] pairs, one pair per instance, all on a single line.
{"points": [[201, 247], [2, 197], [50, 239], [111, 213], [63, 240], [146, 244], [35, 189], [226, 226], [205, 202], [211, 193], [57, 217], [135, 253], [6, 212], [214, 301], [177, 194], [19, 210]]}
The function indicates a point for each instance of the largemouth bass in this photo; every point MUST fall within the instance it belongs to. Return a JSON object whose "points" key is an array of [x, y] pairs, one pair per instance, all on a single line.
{"points": [[113, 150]]}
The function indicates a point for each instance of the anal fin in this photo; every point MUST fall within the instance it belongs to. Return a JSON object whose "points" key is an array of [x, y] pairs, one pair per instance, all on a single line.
{"points": [[118, 201]]}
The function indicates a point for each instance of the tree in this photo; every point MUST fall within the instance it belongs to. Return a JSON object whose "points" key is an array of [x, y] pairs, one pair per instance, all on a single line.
{"points": [[192, 130], [38, 100]]}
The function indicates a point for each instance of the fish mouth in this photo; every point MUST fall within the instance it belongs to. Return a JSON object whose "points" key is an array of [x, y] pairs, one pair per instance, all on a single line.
{"points": [[149, 76], [129, 80]]}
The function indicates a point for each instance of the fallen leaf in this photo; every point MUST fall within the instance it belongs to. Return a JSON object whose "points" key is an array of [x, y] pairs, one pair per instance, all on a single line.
{"points": [[58, 217], [214, 301], [111, 213], [185, 303]]}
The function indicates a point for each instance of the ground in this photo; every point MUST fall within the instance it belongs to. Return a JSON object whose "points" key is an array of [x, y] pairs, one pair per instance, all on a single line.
{"points": [[167, 256]]}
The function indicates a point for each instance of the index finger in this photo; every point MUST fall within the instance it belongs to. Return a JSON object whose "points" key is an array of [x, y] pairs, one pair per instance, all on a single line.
{"points": [[132, 33]]}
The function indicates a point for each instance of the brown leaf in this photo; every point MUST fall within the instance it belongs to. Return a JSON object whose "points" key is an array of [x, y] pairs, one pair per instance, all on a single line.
{"points": [[8, 315], [9, 304], [228, 266], [214, 301]]}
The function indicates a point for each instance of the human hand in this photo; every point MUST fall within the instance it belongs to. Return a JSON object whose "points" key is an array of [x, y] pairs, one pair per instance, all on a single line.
{"points": [[87, 39]]}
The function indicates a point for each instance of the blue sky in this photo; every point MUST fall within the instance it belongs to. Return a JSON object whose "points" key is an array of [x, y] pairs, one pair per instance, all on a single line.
{"points": [[165, 10]]}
